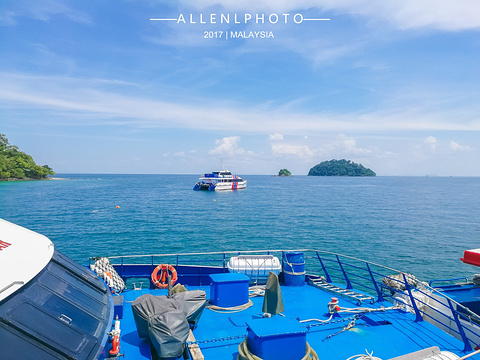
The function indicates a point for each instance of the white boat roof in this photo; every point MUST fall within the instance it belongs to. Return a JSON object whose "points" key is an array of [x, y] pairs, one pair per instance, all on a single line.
{"points": [[23, 254]]}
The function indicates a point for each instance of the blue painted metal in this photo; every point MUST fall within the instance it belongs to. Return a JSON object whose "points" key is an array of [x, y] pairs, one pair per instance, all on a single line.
{"points": [[229, 289], [276, 338], [375, 332], [294, 268], [418, 315], [345, 276], [467, 347], [327, 276], [377, 289]]}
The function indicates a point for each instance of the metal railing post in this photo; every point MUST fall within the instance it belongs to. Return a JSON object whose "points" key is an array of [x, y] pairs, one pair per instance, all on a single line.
{"points": [[349, 284], [418, 316], [379, 293], [467, 347], [153, 267], [324, 269]]}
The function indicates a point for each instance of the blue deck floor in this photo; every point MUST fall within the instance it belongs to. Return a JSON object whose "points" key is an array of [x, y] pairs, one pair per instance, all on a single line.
{"points": [[388, 334]]}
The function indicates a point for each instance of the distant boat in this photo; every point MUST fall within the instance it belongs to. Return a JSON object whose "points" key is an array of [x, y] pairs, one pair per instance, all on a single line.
{"points": [[220, 181]]}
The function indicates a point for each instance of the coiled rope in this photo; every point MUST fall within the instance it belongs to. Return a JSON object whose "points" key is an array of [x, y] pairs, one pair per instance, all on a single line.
{"points": [[232, 309], [245, 354], [257, 290]]}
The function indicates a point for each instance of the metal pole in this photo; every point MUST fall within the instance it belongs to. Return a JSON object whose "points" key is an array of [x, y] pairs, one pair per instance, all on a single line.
{"points": [[418, 316], [380, 297], [467, 347], [349, 284], [324, 269]]}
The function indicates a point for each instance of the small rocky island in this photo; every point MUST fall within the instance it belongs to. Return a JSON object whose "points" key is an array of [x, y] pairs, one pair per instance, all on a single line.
{"points": [[284, 172], [340, 168], [17, 165]]}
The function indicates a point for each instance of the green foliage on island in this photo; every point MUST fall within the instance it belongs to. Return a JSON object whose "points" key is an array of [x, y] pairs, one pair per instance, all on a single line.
{"points": [[15, 164], [284, 172], [340, 168]]}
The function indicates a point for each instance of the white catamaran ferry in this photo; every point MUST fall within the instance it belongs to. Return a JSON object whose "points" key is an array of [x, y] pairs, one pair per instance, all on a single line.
{"points": [[220, 180]]}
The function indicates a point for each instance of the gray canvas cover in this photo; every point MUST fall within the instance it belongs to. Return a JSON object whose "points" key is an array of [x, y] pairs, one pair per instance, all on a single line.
{"points": [[192, 302], [168, 333], [147, 305], [272, 301]]}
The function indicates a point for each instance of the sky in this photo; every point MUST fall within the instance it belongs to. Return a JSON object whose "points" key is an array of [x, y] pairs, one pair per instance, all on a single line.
{"points": [[185, 87]]}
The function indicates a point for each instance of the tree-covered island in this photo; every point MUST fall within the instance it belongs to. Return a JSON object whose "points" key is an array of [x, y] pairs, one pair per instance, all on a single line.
{"points": [[17, 165], [340, 168], [284, 172]]}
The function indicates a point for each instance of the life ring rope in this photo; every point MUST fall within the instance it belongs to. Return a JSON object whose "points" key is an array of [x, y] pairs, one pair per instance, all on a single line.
{"points": [[160, 274]]}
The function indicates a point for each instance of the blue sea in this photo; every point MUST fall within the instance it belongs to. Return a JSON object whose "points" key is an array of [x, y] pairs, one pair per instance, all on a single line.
{"points": [[419, 225]]}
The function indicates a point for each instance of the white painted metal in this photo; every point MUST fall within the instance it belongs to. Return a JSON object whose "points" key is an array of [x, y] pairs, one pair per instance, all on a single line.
{"points": [[435, 309], [23, 254], [223, 180], [254, 265]]}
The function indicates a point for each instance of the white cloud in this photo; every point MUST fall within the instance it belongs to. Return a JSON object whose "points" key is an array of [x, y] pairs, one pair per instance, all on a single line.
{"points": [[98, 102], [301, 151], [457, 147], [431, 142], [43, 10], [7, 18], [348, 146], [341, 146], [276, 136], [227, 146]]}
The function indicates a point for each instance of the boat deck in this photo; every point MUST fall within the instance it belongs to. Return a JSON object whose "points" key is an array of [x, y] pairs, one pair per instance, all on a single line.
{"points": [[387, 334]]}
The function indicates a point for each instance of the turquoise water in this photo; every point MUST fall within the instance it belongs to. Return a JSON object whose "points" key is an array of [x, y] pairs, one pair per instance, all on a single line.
{"points": [[417, 224]]}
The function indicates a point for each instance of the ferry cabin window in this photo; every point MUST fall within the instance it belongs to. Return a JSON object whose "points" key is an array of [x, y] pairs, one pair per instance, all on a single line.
{"points": [[63, 312]]}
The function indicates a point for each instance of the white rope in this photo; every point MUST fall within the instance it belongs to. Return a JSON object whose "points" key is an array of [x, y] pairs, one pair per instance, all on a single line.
{"points": [[257, 290], [101, 267], [368, 356], [232, 309], [322, 321], [469, 355]]}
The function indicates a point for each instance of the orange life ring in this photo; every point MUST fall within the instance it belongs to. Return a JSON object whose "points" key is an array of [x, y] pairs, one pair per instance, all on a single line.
{"points": [[160, 279]]}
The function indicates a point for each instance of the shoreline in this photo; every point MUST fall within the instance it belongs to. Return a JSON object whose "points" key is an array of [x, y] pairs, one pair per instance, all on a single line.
{"points": [[29, 179]]}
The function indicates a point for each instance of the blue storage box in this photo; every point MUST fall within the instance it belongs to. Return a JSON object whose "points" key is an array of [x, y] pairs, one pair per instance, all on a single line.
{"points": [[229, 289], [277, 338]]}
